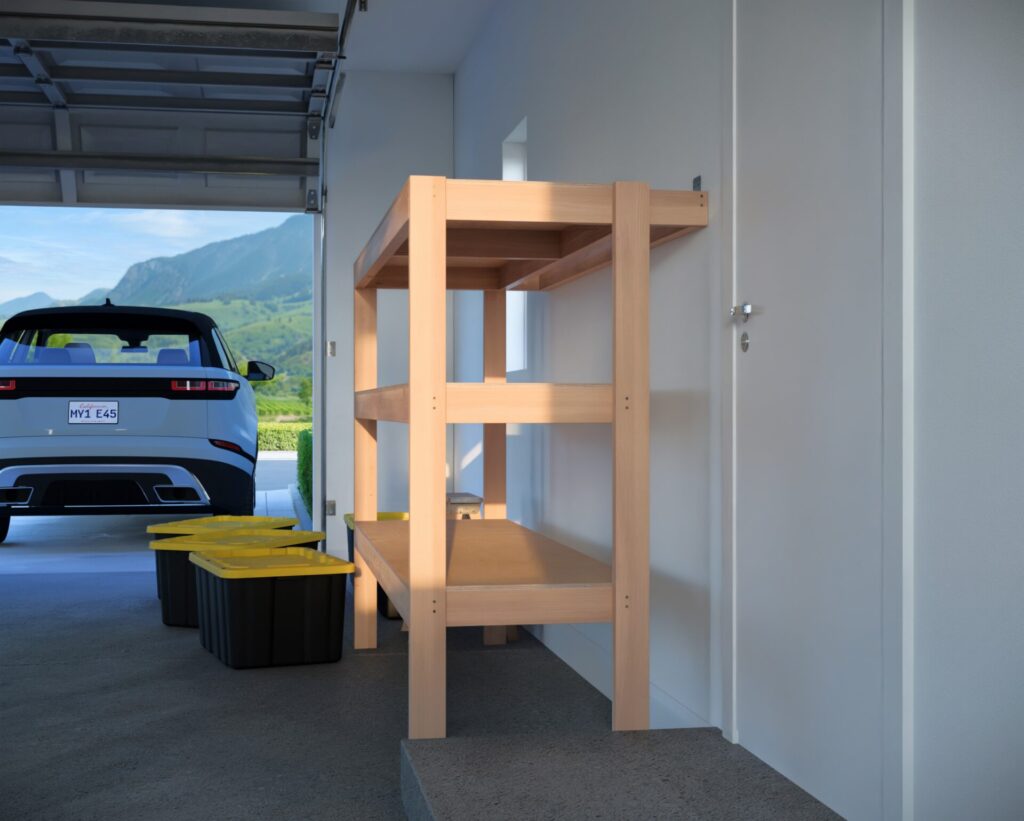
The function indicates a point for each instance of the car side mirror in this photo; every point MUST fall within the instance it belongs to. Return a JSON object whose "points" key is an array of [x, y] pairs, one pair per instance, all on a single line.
{"points": [[259, 372]]}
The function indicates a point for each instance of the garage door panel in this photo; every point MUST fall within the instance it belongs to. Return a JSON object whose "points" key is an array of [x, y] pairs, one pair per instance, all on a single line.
{"points": [[285, 186], [222, 142], [26, 136], [20, 136], [115, 138], [205, 197], [21, 191], [221, 108]]}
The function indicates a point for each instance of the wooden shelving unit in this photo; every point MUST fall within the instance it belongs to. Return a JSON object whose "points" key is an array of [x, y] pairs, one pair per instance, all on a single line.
{"points": [[498, 236]]}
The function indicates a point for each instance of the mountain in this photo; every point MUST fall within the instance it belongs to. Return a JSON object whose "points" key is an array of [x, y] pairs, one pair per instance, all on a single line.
{"points": [[274, 263], [26, 303], [94, 297]]}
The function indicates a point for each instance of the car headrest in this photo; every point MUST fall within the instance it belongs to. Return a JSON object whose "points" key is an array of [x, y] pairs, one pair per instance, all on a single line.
{"points": [[172, 356], [52, 356], [81, 353]]}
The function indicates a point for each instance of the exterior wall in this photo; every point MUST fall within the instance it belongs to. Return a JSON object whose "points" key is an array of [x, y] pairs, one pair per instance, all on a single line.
{"points": [[390, 125], [969, 639], [613, 91]]}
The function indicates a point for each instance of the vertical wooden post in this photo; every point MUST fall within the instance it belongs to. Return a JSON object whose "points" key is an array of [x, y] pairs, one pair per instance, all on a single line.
{"points": [[494, 435], [364, 458], [631, 563], [427, 454]]}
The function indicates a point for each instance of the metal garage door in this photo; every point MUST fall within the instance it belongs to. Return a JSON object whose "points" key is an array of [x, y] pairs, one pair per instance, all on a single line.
{"points": [[167, 106]]}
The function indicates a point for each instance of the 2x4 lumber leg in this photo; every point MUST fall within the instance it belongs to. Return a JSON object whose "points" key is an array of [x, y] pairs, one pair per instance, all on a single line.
{"points": [[495, 636], [495, 453], [364, 605], [427, 455], [631, 562], [495, 471], [364, 459], [494, 443]]}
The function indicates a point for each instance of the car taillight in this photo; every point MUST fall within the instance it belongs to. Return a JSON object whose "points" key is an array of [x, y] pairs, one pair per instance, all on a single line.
{"points": [[226, 445], [188, 385], [222, 385], [7, 384]]}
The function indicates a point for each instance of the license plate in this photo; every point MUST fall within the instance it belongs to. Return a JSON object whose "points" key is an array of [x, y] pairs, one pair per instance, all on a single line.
{"points": [[92, 413]]}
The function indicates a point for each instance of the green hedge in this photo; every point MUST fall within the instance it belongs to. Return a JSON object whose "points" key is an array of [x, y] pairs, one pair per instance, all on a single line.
{"points": [[280, 435], [305, 468]]}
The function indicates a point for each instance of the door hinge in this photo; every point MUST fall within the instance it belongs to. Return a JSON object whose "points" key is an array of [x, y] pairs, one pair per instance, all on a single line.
{"points": [[330, 508]]}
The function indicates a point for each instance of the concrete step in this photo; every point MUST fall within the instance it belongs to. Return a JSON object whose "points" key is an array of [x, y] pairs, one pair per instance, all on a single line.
{"points": [[693, 773]]}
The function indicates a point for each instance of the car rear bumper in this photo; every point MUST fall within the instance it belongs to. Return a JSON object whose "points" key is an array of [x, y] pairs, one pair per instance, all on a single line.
{"points": [[85, 485]]}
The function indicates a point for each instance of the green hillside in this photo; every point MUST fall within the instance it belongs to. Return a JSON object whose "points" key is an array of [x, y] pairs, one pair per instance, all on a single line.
{"points": [[277, 331]]}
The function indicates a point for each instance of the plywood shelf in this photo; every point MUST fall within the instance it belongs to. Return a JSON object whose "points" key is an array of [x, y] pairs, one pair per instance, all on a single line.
{"points": [[498, 573], [497, 403], [520, 235]]}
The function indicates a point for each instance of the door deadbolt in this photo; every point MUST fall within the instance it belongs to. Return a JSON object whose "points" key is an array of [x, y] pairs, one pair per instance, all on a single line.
{"points": [[743, 312], [745, 342]]}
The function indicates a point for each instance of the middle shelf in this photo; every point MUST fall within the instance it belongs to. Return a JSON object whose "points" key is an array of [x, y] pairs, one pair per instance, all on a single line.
{"points": [[498, 402], [498, 573]]}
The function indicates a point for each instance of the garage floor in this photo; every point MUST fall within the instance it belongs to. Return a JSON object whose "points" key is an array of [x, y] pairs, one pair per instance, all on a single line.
{"points": [[105, 713], [108, 714]]}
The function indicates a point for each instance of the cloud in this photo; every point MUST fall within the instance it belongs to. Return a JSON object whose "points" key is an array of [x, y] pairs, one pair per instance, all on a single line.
{"points": [[166, 224]]}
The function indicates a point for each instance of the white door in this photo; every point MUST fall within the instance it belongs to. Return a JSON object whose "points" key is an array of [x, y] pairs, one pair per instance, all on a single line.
{"points": [[808, 407]]}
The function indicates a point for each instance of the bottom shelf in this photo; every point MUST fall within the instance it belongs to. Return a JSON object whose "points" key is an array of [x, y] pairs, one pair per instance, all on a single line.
{"points": [[498, 573]]}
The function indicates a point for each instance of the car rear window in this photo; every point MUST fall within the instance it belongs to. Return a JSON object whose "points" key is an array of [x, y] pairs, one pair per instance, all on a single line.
{"points": [[79, 342]]}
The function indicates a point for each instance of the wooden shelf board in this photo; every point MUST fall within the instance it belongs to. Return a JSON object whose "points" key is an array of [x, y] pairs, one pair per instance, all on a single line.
{"points": [[526, 403], [389, 235], [520, 235], [498, 573]]}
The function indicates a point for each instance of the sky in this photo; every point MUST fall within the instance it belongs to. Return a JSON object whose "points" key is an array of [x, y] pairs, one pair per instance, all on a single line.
{"points": [[67, 252]]}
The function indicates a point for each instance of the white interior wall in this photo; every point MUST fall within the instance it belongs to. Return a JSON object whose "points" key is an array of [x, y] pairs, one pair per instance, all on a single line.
{"points": [[390, 125], [969, 350], [646, 103]]}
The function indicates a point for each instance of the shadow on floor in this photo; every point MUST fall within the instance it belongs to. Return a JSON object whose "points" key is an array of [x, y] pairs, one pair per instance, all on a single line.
{"points": [[108, 714]]}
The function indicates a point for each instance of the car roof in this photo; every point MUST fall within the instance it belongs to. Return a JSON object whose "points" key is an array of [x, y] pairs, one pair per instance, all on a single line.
{"points": [[201, 321]]}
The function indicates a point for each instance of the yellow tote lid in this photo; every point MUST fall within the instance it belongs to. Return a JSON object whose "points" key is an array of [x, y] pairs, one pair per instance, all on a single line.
{"points": [[386, 516], [264, 563], [204, 523], [238, 539]]}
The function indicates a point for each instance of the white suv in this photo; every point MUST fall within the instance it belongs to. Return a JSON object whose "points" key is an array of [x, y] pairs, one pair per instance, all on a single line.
{"points": [[123, 410]]}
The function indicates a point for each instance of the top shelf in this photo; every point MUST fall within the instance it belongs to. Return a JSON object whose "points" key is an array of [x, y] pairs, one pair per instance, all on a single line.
{"points": [[520, 235]]}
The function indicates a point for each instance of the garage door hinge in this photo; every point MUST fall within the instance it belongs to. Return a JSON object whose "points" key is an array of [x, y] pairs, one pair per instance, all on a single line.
{"points": [[313, 127], [312, 202], [330, 508]]}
